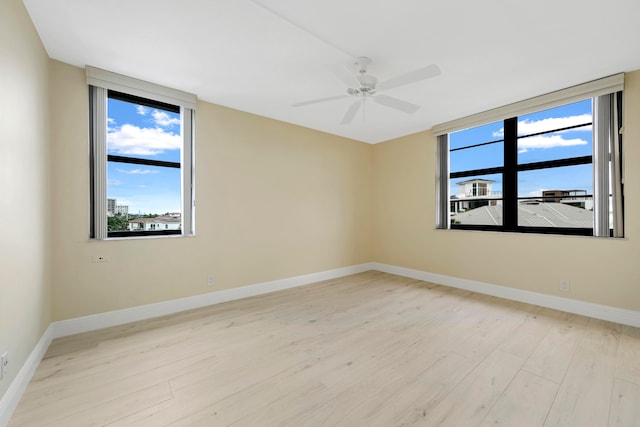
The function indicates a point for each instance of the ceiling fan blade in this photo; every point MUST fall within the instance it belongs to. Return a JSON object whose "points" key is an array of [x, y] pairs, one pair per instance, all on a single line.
{"points": [[351, 113], [316, 101], [395, 103], [410, 77]]}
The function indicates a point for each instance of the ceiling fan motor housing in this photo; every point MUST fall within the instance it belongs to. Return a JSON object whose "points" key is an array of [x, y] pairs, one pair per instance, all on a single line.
{"points": [[362, 62], [367, 81]]}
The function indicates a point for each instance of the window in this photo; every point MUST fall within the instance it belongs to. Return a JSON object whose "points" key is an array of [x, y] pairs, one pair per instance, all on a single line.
{"points": [[547, 170], [141, 158]]}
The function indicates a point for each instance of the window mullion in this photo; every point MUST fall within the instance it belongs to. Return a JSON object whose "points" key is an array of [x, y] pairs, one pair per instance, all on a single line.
{"points": [[140, 161], [510, 175]]}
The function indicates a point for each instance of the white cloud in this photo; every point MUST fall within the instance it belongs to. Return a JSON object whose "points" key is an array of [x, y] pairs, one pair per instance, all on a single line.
{"points": [[527, 127], [130, 139], [110, 124], [162, 119], [114, 182], [547, 141], [137, 171]]}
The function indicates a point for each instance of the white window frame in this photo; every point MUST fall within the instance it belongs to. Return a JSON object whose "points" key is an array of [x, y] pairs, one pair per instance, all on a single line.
{"points": [[100, 82]]}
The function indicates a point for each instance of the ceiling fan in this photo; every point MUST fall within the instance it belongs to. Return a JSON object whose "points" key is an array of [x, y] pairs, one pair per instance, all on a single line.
{"points": [[363, 86]]}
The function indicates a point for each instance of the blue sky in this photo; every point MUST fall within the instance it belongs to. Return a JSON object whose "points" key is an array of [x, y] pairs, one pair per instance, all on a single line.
{"points": [[138, 131], [558, 145]]}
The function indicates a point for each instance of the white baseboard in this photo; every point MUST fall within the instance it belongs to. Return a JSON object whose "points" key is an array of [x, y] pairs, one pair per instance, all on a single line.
{"points": [[598, 311], [119, 317], [14, 393]]}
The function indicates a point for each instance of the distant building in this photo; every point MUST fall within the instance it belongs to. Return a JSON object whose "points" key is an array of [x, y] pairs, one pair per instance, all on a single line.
{"points": [[475, 193], [122, 210], [171, 221], [576, 198], [111, 206]]}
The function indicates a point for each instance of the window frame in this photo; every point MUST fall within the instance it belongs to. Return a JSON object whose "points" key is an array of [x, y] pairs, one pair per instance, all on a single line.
{"points": [[510, 169], [104, 85]]}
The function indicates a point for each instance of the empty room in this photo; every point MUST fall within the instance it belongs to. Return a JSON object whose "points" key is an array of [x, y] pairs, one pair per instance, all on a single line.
{"points": [[299, 213]]}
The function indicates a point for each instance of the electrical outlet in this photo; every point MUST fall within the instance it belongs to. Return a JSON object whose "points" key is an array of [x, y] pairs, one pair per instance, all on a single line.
{"points": [[4, 364], [564, 285], [211, 280], [98, 259]]}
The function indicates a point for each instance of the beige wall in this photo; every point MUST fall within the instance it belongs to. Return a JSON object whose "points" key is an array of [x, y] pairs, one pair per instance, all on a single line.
{"points": [[604, 271], [24, 203], [273, 200]]}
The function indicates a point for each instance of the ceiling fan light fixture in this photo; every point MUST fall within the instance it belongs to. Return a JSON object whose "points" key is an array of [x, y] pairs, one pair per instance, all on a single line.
{"points": [[367, 81]]}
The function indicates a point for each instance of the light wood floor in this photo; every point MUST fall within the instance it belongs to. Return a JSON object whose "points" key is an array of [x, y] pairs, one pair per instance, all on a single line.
{"points": [[371, 349]]}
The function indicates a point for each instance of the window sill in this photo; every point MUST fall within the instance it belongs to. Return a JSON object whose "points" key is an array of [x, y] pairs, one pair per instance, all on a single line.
{"points": [[518, 233], [165, 236]]}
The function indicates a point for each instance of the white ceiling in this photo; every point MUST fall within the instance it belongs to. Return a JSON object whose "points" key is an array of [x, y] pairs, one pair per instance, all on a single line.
{"points": [[262, 56]]}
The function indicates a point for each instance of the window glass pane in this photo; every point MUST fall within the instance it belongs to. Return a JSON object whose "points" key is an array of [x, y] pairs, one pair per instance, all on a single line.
{"points": [[137, 191], [556, 197], [476, 148], [484, 156], [139, 131], [547, 140], [476, 200]]}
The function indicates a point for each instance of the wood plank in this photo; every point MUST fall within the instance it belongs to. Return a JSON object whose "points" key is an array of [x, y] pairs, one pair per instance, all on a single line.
{"points": [[524, 339], [470, 401], [341, 372], [625, 405], [553, 355], [525, 403], [105, 412], [415, 396], [628, 366], [584, 397]]}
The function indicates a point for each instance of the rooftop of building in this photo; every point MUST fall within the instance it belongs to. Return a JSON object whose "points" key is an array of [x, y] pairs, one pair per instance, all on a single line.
{"points": [[530, 215], [160, 219], [475, 180]]}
